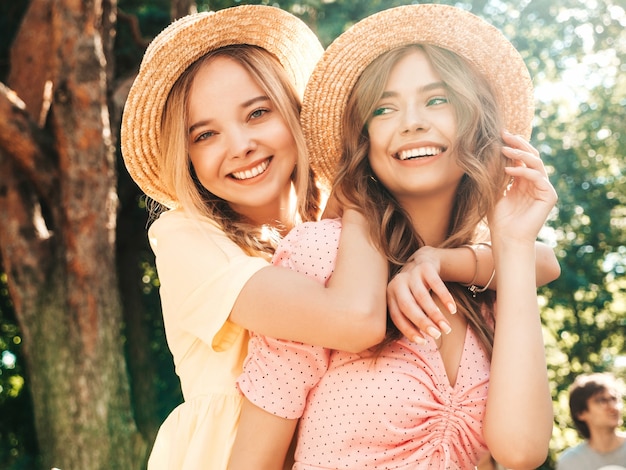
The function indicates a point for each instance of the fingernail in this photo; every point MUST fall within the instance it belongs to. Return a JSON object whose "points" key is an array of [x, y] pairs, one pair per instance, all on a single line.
{"points": [[443, 326], [452, 308], [434, 332], [419, 340]]}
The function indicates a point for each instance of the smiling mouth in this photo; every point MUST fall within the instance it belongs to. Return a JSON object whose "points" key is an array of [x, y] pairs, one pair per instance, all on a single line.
{"points": [[421, 152], [252, 172]]}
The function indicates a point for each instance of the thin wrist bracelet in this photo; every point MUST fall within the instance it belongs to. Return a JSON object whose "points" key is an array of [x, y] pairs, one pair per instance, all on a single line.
{"points": [[477, 290], [472, 287]]}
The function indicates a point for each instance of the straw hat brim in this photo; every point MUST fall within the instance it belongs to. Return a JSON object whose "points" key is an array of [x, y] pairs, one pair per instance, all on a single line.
{"points": [[445, 26], [178, 46]]}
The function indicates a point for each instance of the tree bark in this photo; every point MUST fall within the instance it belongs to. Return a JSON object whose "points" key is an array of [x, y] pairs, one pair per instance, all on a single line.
{"points": [[58, 208]]}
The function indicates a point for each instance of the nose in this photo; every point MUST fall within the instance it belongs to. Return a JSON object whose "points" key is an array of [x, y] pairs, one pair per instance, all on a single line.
{"points": [[240, 141], [414, 119]]}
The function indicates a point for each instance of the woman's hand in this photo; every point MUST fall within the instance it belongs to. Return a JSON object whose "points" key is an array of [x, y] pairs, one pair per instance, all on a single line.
{"points": [[530, 196], [410, 300]]}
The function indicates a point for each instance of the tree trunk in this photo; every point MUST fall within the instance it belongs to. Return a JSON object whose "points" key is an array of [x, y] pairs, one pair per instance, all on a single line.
{"points": [[57, 236]]}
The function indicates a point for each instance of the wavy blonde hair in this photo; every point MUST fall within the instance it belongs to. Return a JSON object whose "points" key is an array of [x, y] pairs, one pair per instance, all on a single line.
{"points": [[478, 149], [178, 173]]}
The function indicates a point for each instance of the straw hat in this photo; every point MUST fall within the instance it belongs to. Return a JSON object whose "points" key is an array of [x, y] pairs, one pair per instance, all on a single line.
{"points": [[182, 43], [445, 26]]}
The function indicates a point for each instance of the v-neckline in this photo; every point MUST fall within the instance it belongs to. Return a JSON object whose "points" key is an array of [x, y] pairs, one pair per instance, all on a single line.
{"points": [[442, 364]]}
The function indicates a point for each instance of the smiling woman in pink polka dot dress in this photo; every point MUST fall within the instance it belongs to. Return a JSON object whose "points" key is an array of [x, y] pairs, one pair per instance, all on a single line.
{"points": [[428, 134]]}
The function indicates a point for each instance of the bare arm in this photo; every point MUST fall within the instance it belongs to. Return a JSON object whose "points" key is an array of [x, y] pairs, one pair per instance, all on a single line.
{"points": [[409, 294], [263, 440], [349, 314], [458, 265], [518, 419]]}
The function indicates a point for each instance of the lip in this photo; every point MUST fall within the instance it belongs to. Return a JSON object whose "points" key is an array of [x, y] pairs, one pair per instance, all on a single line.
{"points": [[251, 171]]}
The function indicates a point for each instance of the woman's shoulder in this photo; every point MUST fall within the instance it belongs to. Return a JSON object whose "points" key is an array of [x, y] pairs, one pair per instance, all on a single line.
{"points": [[572, 455], [176, 218], [179, 233], [181, 225]]}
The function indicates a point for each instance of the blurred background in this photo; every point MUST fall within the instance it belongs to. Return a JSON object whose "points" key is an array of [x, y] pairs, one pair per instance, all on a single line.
{"points": [[85, 374]]}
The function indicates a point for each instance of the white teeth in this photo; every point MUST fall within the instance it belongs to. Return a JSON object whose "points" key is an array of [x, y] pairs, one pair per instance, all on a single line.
{"points": [[419, 152], [256, 171]]}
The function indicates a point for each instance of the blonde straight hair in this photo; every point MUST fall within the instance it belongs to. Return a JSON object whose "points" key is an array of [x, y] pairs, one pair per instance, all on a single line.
{"points": [[177, 171], [478, 148]]}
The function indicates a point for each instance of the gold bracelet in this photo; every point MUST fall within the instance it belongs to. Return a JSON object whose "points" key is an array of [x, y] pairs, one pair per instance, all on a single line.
{"points": [[473, 288], [473, 250]]}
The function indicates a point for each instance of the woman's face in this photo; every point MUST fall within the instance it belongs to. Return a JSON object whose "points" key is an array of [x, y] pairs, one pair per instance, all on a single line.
{"points": [[239, 144], [412, 132]]}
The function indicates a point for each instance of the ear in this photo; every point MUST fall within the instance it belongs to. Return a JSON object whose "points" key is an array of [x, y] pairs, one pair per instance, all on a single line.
{"points": [[582, 415]]}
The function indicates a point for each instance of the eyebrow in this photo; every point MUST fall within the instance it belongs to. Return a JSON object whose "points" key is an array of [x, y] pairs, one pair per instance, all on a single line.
{"points": [[426, 88], [244, 105]]}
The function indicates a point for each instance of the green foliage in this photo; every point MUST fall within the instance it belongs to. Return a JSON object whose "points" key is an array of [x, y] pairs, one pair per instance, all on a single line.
{"points": [[152, 17], [330, 19], [18, 448]]}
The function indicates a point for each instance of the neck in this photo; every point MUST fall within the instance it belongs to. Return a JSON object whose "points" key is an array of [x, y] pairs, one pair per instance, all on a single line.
{"points": [[431, 218], [279, 215], [605, 440]]}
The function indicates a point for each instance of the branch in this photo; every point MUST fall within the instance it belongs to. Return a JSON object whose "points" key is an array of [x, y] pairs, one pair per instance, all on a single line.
{"points": [[26, 144], [135, 30]]}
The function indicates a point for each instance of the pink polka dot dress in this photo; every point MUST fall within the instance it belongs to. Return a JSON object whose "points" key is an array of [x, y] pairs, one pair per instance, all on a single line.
{"points": [[393, 410]]}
